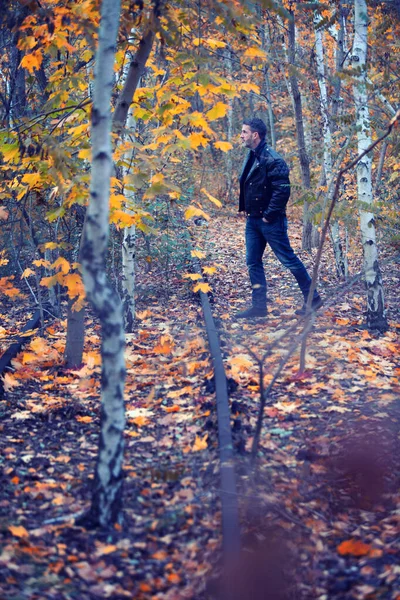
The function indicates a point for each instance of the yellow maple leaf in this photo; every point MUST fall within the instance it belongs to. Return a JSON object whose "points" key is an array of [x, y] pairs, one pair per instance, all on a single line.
{"points": [[39, 346], [61, 264], [211, 198], [254, 52], [209, 270], [41, 262], [197, 119], [192, 276], [250, 87], [51, 281], [193, 211], [202, 287], [224, 146], [85, 153], [219, 110], [197, 139], [198, 254], [31, 179], [215, 43], [27, 273], [74, 285], [31, 62], [18, 531], [200, 443]]}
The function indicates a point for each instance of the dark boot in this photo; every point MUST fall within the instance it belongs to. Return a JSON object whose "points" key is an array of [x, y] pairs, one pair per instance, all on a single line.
{"points": [[315, 305], [251, 313]]}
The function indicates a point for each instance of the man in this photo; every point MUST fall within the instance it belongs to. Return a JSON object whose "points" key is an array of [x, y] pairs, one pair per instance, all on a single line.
{"points": [[264, 193]]}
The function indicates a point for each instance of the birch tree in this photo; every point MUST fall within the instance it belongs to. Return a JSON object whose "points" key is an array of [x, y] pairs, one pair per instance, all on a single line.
{"points": [[107, 493], [341, 266], [307, 240], [373, 279]]}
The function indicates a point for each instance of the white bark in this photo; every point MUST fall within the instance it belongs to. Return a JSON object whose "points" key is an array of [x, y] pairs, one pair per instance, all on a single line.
{"points": [[107, 495], [266, 44], [373, 279], [327, 141], [128, 248]]}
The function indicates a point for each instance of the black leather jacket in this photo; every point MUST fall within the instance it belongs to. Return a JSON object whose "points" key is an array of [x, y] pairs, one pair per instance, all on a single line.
{"points": [[264, 184]]}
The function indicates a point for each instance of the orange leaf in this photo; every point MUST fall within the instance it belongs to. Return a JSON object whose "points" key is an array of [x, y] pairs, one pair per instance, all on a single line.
{"points": [[342, 321], [173, 578], [86, 419], [9, 382], [31, 62], [106, 549], [200, 443], [140, 421], [74, 284], [160, 555], [18, 531], [354, 548], [170, 409]]}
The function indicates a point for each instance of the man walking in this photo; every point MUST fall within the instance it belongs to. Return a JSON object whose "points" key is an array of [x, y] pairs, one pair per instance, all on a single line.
{"points": [[264, 193]]}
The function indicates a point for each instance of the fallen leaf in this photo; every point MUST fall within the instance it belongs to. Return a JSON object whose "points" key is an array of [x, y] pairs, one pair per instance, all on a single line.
{"points": [[354, 548], [18, 531], [200, 443]]}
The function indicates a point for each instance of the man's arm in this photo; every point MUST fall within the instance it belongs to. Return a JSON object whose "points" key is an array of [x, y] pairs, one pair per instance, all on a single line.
{"points": [[278, 175]]}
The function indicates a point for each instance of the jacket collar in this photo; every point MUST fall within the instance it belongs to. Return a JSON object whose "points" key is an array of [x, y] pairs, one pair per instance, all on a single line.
{"points": [[258, 151]]}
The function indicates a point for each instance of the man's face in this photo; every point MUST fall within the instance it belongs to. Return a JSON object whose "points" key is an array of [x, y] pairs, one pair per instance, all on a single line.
{"points": [[249, 138]]}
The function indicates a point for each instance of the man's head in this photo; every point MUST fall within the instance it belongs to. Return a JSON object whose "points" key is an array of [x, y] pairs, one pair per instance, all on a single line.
{"points": [[253, 132]]}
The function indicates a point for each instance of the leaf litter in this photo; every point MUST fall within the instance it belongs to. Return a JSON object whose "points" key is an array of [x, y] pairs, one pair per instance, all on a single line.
{"points": [[323, 497]]}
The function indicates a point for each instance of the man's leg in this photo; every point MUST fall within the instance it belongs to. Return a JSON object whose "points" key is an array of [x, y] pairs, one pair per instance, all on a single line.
{"points": [[277, 238], [255, 246]]}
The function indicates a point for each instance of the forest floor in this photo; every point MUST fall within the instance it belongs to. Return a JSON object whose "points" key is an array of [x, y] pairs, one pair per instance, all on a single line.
{"points": [[320, 511]]}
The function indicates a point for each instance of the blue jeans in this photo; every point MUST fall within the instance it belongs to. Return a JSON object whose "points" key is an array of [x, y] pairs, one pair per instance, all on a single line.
{"points": [[258, 234]]}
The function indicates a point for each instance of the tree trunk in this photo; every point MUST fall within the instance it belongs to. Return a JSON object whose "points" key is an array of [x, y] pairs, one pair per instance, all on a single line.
{"points": [[301, 145], [107, 493], [229, 160], [75, 336], [128, 249], [266, 44], [327, 140], [135, 72], [373, 280]]}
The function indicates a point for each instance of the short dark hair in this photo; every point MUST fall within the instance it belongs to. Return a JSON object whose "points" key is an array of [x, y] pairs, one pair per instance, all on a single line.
{"points": [[257, 125]]}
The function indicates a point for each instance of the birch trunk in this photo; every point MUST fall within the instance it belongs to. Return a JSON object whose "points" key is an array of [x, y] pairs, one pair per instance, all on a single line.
{"points": [[308, 235], [327, 139], [107, 493], [229, 160], [373, 279], [128, 251], [266, 45], [134, 73]]}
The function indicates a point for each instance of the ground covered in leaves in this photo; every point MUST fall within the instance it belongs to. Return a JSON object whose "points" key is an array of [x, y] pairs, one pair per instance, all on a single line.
{"points": [[320, 508]]}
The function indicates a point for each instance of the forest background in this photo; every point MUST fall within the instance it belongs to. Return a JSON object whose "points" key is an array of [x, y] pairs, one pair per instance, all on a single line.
{"points": [[185, 76]]}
